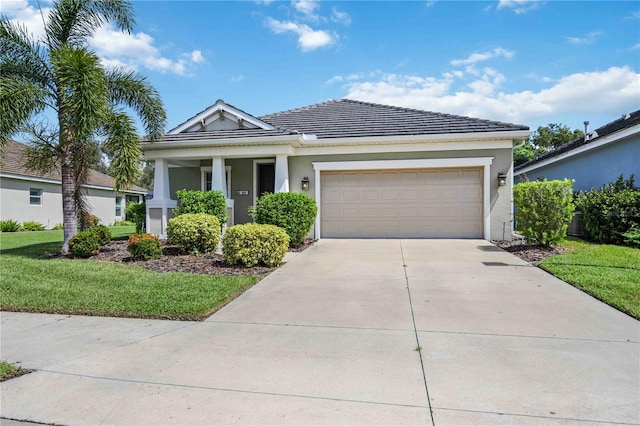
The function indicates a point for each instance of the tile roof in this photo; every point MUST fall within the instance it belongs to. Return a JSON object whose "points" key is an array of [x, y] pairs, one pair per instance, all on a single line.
{"points": [[343, 118], [13, 163], [225, 134], [625, 122]]}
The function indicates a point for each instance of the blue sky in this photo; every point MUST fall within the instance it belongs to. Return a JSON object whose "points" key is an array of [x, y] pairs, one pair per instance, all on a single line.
{"points": [[521, 61]]}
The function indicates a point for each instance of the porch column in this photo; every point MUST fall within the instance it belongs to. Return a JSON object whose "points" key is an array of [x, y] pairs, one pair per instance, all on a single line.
{"points": [[161, 180], [282, 174], [218, 176], [160, 207]]}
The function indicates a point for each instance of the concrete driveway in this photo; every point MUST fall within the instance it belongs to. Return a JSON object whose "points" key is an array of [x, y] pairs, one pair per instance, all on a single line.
{"points": [[346, 332]]}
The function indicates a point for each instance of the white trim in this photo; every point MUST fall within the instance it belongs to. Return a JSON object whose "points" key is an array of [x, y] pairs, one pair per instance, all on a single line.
{"points": [[255, 175], [484, 162], [57, 182], [203, 178], [605, 140], [220, 105]]}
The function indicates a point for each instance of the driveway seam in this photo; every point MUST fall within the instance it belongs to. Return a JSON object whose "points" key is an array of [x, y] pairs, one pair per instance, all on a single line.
{"points": [[415, 330], [253, 392], [524, 336], [339, 327]]}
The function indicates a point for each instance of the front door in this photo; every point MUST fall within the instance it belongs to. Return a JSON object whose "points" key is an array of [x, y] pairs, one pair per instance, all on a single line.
{"points": [[266, 178]]}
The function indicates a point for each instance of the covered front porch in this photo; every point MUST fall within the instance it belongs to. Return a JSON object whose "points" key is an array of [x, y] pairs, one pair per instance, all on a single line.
{"points": [[241, 179]]}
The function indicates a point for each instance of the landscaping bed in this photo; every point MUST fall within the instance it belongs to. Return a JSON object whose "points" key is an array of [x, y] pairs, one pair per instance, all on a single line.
{"points": [[531, 253]]}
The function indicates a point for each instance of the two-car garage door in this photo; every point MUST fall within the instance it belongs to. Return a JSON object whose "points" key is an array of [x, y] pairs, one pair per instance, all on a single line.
{"points": [[403, 203]]}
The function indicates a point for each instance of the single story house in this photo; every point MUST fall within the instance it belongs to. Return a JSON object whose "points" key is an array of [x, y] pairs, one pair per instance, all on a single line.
{"points": [[375, 171], [29, 196], [594, 160]]}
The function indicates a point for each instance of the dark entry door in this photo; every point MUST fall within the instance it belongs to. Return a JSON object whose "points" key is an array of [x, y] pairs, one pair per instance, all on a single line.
{"points": [[266, 178]]}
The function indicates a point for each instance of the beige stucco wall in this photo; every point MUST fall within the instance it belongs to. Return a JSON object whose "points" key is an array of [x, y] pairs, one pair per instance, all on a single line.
{"points": [[14, 203], [184, 178]]}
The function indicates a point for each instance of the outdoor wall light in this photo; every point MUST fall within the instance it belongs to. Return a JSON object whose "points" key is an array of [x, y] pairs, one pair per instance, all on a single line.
{"points": [[305, 183], [502, 179]]}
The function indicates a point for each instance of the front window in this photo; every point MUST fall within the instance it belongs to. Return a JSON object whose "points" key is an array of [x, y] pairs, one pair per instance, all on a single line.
{"points": [[118, 206], [227, 175], [35, 196]]}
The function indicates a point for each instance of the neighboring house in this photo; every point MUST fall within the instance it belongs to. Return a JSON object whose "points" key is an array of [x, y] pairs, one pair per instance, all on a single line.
{"points": [[26, 195], [375, 171], [594, 160]]}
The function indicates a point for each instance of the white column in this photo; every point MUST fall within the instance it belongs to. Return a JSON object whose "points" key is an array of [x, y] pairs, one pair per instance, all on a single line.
{"points": [[282, 174], [218, 176], [161, 180]]}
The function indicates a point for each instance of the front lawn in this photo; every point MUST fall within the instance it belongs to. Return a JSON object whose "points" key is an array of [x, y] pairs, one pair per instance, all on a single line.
{"points": [[607, 272], [74, 286]]}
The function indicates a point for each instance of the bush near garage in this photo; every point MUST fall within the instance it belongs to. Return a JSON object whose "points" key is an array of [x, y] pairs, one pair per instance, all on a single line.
{"points": [[293, 212], [611, 214], [209, 202], [543, 210], [84, 244], [143, 246], [251, 244], [194, 232]]}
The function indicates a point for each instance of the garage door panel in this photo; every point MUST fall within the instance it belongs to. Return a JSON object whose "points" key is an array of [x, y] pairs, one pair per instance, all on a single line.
{"points": [[412, 203]]}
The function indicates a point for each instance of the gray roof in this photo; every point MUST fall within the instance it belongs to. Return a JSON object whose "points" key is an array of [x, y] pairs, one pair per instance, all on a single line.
{"points": [[343, 118], [225, 134]]}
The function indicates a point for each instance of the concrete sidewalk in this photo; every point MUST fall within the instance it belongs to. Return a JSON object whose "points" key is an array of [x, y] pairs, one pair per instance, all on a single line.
{"points": [[331, 338]]}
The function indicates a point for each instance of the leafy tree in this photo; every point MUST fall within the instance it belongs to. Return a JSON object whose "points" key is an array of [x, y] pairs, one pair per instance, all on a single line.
{"points": [[59, 73], [526, 153], [554, 135]]}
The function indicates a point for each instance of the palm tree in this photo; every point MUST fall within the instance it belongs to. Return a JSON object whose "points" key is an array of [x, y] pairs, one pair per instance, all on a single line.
{"points": [[60, 73]]}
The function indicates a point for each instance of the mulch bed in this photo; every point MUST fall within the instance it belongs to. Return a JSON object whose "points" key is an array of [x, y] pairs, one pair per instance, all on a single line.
{"points": [[17, 373], [529, 252], [174, 261]]}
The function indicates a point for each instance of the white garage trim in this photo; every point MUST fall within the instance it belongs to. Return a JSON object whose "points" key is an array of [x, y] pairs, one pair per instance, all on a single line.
{"points": [[439, 163]]}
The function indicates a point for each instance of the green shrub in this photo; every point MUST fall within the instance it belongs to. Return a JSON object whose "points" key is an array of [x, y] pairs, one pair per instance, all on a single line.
{"points": [[543, 210], [136, 213], [143, 246], [610, 212], [252, 243], [293, 212], [103, 233], [194, 232], [124, 223], [209, 202], [57, 226], [632, 236], [87, 220], [84, 244], [9, 225], [31, 225]]}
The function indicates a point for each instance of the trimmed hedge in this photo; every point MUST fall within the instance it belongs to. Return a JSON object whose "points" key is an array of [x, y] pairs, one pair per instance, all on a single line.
{"points": [[611, 212], [194, 232], [251, 243], [543, 210], [293, 212], [209, 202]]}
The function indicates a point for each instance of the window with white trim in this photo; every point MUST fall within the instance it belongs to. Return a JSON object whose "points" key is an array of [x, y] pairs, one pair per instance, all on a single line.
{"points": [[207, 176], [118, 206], [35, 196]]}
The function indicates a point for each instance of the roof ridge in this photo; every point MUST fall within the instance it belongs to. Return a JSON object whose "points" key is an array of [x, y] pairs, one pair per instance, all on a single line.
{"points": [[302, 108]]}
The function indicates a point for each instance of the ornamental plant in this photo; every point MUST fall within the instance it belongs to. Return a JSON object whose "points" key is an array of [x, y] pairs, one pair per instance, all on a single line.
{"points": [[31, 225], [209, 202], [543, 210], [136, 213], [143, 246], [87, 220], [84, 244], [103, 233], [251, 243], [194, 232], [9, 225], [293, 212]]}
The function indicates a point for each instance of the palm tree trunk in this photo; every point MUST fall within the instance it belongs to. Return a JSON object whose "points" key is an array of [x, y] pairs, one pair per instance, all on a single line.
{"points": [[69, 219]]}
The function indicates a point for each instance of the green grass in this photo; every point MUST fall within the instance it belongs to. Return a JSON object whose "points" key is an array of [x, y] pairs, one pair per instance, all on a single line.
{"points": [[9, 371], [31, 283], [607, 272]]}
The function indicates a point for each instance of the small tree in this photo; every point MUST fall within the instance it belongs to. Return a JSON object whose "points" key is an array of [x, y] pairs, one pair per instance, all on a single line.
{"points": [[293, 212], [543, 210], [209, 202]]}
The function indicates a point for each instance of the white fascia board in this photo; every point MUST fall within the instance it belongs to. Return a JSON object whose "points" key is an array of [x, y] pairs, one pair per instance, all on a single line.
{"points": [[57, 182], [606, 140], [441, 137], [224, 107], [404, 147], [292, 140], [404, 164], [247, 151]]}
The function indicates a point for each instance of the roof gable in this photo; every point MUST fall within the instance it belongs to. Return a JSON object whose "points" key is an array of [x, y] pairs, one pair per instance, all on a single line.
{"points": [[220, 117], [344, 118]]}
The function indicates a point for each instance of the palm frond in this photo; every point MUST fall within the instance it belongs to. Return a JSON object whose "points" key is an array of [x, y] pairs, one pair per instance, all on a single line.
{"points": [[123, 144], [133, 90], [19, 101]]}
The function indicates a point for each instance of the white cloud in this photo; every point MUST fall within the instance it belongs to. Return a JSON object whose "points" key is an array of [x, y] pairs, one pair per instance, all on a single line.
{"points": [[430, 3], [236, 79], [519, 6], [588, 39], [306, 7], [308, 38], [635, 47], [484, 56], [633, 16], [339, 16], [114, 48], [613, 90]]}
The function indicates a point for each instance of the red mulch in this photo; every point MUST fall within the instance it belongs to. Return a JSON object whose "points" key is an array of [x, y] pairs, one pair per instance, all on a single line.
{"points": [[529, 252]]}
